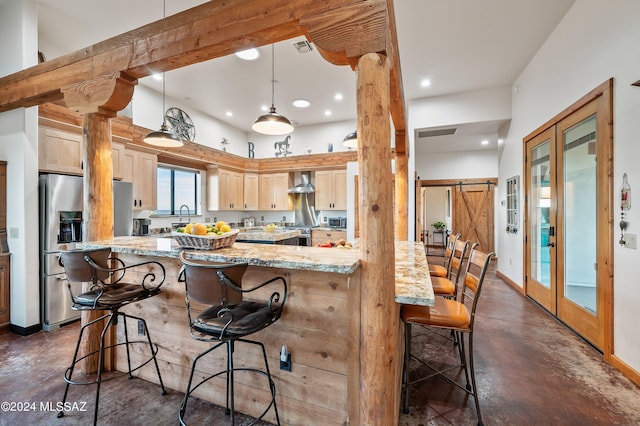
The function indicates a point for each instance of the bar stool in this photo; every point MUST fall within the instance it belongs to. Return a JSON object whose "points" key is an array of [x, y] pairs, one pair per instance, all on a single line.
{"points": [[447, 286], [109, 292], [228, 319], [453, 315], [443, 270]]}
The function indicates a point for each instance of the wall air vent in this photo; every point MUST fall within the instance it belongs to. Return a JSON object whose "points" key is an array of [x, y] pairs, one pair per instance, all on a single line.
{"points": [[302, 46], [437, 132]]}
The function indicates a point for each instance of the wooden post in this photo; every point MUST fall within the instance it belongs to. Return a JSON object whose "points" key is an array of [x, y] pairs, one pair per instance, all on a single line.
{"points": [[379, 312], [97, 210], [401, 193]]}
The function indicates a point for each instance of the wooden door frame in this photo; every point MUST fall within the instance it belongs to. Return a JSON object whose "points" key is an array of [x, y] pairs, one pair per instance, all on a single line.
{"points": [[605, 203], [421, 183]]}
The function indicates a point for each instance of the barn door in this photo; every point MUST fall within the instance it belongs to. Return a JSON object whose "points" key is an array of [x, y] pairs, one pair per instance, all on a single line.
{"points": [[473, 214]]}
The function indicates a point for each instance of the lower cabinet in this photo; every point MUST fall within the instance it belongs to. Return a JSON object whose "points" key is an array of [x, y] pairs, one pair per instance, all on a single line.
{"points": [[5, 295]]}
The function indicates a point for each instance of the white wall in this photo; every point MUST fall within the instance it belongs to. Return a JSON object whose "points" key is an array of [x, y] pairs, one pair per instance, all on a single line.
{"points": [[19, 147], [314, 137], [595, 41], [469, 107]]}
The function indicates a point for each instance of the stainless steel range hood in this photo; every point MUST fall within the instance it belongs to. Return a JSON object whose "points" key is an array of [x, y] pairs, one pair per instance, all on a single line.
{"points": [[304, 199], [303, 184]]}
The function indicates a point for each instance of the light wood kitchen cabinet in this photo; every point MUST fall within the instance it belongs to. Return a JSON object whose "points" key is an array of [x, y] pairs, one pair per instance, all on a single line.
{"points": [[319, 237], [59, 151], [225, 189], [140, 168], [274, 193], [251, 191], [331, 189], [117, 151]]}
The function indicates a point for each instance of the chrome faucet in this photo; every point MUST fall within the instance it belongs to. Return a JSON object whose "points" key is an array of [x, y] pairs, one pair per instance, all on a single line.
{"points": [[188, 213]]}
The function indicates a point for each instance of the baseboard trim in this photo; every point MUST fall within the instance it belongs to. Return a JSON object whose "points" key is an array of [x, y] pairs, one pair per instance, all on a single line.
{"points": [[510, 282], [626, 369], [25, 331]]}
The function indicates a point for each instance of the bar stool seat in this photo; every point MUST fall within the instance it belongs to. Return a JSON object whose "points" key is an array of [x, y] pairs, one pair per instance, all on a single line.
{"points": [[227, 321], [108, 292], [443, 286]]}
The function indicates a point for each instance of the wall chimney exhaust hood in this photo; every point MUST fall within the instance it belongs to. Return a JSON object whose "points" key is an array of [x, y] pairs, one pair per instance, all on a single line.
{"points": [[304, 185]]}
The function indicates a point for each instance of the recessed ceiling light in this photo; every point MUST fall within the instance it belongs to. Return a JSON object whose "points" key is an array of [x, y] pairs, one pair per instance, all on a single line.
{"points": [[338, 97], [264, 108], [301, 103], [425, 83], [157, 76], [327, 113], [248, 54], [485, 142], [229, 114]]}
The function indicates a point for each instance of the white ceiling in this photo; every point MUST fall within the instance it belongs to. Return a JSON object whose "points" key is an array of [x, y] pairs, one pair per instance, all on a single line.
{"points": [[459, 45]]}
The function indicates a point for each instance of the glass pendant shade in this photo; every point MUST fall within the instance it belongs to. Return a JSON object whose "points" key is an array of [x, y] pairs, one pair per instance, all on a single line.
{"points": [[163, 138], [272, 124], [351, 140]]}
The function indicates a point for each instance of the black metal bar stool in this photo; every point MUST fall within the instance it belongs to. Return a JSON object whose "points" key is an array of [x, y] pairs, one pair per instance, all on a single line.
{"points": [[109, 292], [228, 320]]}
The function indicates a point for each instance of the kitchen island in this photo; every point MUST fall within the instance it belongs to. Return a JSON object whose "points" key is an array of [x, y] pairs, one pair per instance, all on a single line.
{"points": [[320, 324]]}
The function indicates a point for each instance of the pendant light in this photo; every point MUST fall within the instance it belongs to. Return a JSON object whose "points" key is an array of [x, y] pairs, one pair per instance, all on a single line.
{"points": [[351, 140], [163, 137], [272, 123]]}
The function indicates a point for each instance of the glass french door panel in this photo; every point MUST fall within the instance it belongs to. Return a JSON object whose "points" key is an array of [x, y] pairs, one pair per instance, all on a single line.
{"points": [[540, 192], [579, 180]]}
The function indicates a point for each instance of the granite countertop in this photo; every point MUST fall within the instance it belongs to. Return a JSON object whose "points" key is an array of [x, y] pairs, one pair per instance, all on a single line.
{"points": [[413, 282], [260, 234]]}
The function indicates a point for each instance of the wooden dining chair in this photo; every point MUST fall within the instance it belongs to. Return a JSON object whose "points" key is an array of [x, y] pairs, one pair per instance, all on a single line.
{"points": [[443, 270]]}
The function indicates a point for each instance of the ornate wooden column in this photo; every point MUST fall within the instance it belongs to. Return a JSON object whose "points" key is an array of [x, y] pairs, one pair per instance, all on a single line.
{"points": [[401, 194], [98, 100], [379, 317]]}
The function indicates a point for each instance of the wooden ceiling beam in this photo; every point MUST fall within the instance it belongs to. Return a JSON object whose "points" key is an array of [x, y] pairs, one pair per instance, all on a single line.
{"points": [[212, 30]]}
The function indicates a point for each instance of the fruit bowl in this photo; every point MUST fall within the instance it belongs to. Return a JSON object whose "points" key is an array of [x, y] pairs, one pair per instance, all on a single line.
{"points": [[205, 242]]}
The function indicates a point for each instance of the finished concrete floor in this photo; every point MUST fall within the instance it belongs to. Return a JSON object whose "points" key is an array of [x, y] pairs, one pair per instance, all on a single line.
{"points": [[531, 370]]}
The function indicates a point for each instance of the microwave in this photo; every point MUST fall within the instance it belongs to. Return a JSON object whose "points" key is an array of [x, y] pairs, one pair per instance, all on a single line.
{"points": [[337, 222]]}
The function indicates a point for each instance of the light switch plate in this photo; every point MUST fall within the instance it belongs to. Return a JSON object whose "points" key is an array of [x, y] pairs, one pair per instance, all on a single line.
{"points": [[631, 241], [14, 233]]}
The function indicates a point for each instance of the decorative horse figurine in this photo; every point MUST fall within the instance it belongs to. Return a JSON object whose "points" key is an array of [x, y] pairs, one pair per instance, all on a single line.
{"points": [[282, 147]]}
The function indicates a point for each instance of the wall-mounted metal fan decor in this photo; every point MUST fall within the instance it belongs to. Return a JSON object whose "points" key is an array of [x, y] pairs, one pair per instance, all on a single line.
{"points": [[180, 123]]}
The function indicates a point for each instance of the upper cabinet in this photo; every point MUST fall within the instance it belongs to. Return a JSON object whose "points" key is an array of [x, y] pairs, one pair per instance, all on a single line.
{"points": [[331, 189], [225, 189], [251, 199], [140, 168], [117, 151], [274, 189], [59, 151]]}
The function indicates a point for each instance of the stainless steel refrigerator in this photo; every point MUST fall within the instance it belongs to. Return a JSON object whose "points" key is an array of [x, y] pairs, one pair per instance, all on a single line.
{"points": [[61, 226]]}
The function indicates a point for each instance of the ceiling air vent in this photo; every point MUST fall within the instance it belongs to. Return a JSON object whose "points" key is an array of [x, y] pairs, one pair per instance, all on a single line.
{"points": [[302, 46], [437, 132]]}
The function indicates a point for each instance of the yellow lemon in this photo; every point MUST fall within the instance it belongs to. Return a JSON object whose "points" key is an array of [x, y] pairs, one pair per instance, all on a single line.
{"points": [[187, 229], [220, 223], [225, 228], [199, 229]]}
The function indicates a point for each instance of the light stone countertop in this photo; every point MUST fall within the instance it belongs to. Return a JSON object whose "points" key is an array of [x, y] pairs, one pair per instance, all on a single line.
{"points": [[413, 282], [261, 235]]}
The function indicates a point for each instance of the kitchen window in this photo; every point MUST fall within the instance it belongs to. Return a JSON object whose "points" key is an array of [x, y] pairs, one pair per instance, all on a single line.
{"points": [[177, 187]]}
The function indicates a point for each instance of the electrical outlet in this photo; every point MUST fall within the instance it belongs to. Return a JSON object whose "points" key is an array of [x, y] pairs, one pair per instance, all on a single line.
{"points": [[285, 359], [140, 328], [631, 241]]}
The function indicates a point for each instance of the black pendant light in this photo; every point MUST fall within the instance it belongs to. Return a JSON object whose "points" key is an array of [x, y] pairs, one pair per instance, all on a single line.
{"points": [[272, 123], [163, 137], [351, 140]]}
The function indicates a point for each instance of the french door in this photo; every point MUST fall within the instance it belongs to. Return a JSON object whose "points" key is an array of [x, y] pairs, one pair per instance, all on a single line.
{"points": [[568, 248]]}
